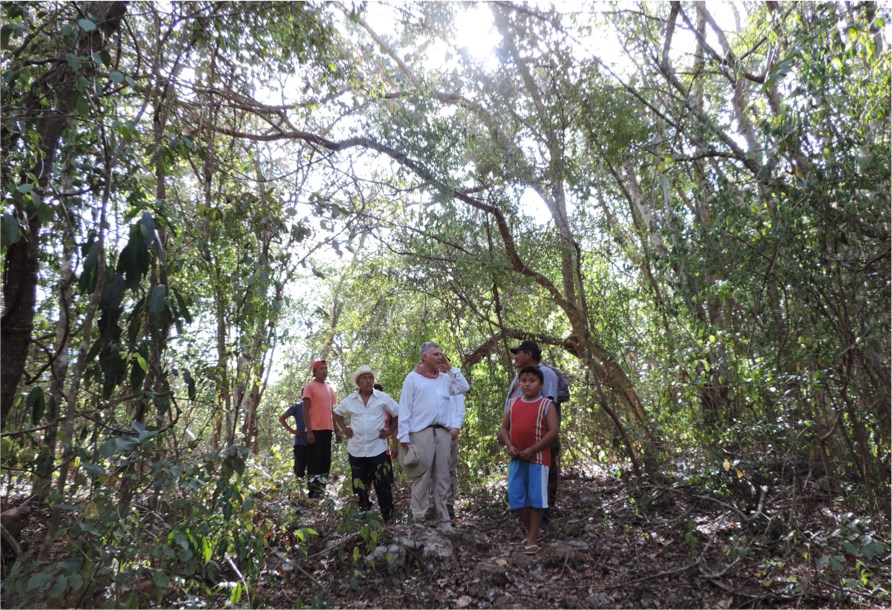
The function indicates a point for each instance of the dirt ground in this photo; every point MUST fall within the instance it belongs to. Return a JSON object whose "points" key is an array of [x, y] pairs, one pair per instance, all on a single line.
{"points": [[609, 545]]}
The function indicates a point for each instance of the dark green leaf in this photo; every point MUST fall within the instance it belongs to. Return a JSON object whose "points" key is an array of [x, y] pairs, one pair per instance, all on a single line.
{"points": [[190, 383], [156, 299], [75, 581], [126, 443], [82, 107], [5, 32], [59, 587], [112, 293], [181, 305], [162, 580], [74, 61], [94, 350], [86, 25], [10, 231], [108, 448], [37, 404], [39, 579], [94, 468]]}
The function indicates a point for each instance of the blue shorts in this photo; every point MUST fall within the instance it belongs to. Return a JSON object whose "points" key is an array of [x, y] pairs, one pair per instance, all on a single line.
{"points": [[527, 484]]}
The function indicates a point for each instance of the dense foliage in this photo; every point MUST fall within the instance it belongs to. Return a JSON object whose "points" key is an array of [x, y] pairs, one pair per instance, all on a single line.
{"points": [[200, 198]]}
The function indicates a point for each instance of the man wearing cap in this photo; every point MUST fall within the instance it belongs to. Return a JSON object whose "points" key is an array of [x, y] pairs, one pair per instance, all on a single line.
{"points": [[319, 400], [367, 432], [424, 433], [529, 354]]}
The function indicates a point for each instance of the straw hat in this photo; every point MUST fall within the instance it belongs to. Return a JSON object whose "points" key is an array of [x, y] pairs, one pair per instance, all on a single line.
{"points": [[362, 371], [412, 461]]}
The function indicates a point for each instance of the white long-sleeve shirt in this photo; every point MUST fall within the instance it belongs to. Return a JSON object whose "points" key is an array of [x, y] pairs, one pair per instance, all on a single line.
{"points": [[457, 409], [366, 421], [425, 401]]}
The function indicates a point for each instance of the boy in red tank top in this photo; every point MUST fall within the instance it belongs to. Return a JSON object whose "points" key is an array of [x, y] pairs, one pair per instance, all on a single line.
{"points": [[528, 428]]}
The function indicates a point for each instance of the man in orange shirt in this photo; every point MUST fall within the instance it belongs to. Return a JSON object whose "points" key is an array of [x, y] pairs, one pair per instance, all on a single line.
{"points": [[319, 400]]}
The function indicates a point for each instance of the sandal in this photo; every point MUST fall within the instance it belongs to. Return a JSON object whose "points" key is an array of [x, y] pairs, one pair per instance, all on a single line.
{"points": [[530, 549]]}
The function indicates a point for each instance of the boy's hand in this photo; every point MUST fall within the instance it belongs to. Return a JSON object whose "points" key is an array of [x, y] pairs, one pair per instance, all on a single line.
{"points": [[512, 450], [527, 454]]}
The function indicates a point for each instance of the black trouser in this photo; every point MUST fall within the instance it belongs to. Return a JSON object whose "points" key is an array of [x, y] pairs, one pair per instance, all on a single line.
{"points": [[300, 460], [318, 462], [369, 471]]}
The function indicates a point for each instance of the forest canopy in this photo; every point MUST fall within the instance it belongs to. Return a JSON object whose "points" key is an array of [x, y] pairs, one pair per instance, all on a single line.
{"points": [[685, 204]]}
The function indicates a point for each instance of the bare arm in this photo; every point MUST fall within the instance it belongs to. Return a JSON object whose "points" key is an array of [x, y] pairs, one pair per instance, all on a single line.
{"points": [[505, 435], [341, 424], [311, 438], [283, 419], [390, 432]]}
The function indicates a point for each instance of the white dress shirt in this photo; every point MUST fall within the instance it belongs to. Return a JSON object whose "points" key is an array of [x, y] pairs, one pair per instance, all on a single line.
{"points": [[366, 421], [425, 401]]}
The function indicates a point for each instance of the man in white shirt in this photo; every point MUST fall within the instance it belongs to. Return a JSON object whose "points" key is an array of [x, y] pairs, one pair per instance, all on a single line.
{"points": [[425, 420], [367, 433], [456, 421]]}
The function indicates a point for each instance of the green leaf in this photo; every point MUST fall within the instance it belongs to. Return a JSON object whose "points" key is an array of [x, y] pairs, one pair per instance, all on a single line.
{"points": [[236, 594], [60, 586], [116, 77], [181, 306], [82, 107], [5, 32], [74, 61], [126, 443], [75, 581], [10, 230], [156, 299], [94, 468], [873, 549], [108, 448], [38, 580], [190, 383], [37, 403], [132, 601], [86, 25], [162, 580]]}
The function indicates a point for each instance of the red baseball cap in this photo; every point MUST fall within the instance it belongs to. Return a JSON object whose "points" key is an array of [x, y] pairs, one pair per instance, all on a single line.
{"points": [[317, 364]]}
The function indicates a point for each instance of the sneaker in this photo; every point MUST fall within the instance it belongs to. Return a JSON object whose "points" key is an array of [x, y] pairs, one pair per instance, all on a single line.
{"points": [[446, 527]]}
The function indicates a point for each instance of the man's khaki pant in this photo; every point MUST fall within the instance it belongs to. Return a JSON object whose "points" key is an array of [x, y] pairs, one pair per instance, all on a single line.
{"points": [[434, 444]]}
